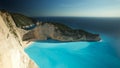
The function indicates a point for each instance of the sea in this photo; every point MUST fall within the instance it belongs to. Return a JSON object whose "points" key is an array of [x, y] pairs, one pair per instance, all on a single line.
{"points": [[103, 54]]}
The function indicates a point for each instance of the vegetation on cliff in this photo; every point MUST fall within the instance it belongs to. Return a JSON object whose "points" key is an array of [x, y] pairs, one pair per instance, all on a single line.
{"points": [[21, 20], [44, 30]]}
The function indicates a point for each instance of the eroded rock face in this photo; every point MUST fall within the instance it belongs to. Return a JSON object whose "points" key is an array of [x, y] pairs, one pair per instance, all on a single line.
{"points": [[12, 54], [56, 31], [13, 34], [62, 32]]}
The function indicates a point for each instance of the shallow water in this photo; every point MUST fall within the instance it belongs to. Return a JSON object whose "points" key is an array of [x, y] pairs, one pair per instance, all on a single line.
{"points": [[104, 54], [55, 54]]}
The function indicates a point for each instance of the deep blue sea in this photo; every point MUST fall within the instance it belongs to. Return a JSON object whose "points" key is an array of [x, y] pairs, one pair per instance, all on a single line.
{"points": [[103, 54]]}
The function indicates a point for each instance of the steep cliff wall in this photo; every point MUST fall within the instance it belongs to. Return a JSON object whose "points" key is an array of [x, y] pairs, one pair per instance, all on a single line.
{"points": [[11, 51], [29, 30], [62, 32]]}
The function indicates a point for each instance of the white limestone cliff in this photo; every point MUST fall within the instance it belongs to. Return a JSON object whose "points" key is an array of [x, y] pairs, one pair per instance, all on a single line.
{"points": [[12, 53]]}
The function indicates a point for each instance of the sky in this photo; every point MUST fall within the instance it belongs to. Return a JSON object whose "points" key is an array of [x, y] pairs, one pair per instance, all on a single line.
{"points": [[77, 8]]}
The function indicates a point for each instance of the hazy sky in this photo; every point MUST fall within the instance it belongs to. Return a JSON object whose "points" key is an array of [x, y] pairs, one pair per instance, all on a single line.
{"points": [[81, 8]]}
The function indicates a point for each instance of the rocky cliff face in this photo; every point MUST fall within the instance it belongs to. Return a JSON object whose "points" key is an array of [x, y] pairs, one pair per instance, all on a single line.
{"points": [[62, 32], [11, 46], [16, 28], [43, 31]]}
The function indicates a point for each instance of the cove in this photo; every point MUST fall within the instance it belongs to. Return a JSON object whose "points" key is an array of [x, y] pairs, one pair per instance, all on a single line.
{"points": [[55, 54]]}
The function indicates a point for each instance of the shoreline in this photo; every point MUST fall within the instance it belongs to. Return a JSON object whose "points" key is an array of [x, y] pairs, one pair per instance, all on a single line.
{"points": [[28, 43]]}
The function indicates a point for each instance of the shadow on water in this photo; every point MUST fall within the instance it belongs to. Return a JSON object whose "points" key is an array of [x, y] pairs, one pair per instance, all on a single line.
{"points": [[49, 41], [57, 41]]}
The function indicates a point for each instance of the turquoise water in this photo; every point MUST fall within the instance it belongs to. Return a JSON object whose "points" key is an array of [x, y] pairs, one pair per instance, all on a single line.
{"points": [[55, 54]]}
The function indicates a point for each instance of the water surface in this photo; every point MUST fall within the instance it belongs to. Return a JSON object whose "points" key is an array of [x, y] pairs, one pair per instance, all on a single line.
{"points": [[54, 54], [104, 54]]}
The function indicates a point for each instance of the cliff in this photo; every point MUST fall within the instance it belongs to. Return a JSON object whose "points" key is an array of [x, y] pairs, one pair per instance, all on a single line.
{"points": [[62, 32], [17, 29], [12, 53], [30, 30]]}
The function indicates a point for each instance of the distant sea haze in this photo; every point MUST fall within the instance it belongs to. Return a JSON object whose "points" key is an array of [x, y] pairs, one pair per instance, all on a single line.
{"points": [[104, 54]]}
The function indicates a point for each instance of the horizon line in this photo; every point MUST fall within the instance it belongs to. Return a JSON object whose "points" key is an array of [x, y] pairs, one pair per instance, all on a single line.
{"points": [[81, 16]]}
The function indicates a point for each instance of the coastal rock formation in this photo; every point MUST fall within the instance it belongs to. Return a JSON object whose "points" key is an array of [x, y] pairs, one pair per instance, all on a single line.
{"points": [[62, 32], [16, 28], [12, 53], [30, 30]]}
